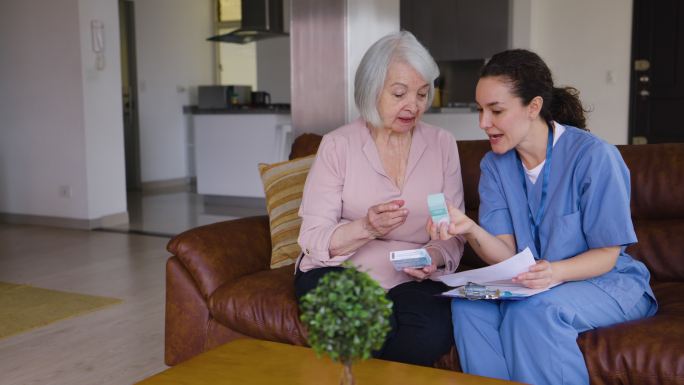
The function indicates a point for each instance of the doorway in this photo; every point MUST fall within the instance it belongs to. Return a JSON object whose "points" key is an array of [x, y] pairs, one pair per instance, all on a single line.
{"points": [[657, 72], [129, 87]]}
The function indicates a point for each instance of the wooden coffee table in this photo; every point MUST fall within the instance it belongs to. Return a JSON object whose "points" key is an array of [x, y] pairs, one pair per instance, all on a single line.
{"points": [[249, 361]]}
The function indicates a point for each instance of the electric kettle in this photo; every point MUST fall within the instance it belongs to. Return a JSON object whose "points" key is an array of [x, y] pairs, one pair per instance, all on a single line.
{"points": [[261, 98]]}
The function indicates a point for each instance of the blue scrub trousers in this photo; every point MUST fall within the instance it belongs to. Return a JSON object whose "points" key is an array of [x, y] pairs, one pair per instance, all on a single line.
{"points": [[535, 340]]}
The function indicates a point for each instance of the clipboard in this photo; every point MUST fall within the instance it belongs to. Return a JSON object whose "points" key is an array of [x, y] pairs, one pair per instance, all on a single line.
{"points": [[505, 291], [473, 291]]}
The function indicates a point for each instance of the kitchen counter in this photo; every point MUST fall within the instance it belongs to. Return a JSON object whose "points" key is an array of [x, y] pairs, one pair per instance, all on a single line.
{"points": [[462, 122], [229, 147], [269, 109], [456, 108]]}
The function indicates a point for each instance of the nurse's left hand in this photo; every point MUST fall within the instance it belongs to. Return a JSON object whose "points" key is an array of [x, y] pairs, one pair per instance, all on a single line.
{"points": [[539, 276]]}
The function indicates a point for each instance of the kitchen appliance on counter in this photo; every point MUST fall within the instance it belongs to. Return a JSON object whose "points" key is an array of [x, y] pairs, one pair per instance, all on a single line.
{"points": [[223, 96], [261, 98]]}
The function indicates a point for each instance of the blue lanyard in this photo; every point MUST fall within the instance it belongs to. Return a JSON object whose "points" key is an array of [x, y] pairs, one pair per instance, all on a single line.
{"points": [[535, 222]]}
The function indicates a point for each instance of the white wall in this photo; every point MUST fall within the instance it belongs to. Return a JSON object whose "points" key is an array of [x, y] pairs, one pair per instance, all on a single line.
{"points": [[273, 63], [55, 111], [238, 63], [42, 110], [103, 118], [519, 24], [173, 58], [587, 45], [367, 21], [273, 68]]}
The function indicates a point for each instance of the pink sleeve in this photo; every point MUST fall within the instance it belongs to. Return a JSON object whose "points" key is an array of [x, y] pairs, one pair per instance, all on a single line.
{"points": [[321, 207], [451, 249]]}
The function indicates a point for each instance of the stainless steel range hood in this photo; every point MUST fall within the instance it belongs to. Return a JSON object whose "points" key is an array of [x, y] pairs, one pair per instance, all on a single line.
{"points": [[261, 19]]}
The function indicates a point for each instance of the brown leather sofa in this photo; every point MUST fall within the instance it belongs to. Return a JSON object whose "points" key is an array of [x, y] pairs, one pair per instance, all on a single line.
{"points": [[220, 287]]}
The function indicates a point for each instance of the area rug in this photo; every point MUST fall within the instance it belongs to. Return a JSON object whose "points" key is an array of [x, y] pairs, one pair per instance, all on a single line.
{"points": [[24, 307]]}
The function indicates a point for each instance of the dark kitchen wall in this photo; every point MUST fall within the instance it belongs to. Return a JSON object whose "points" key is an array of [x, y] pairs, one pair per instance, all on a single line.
{"points": [[460, 35], [458, 29]]}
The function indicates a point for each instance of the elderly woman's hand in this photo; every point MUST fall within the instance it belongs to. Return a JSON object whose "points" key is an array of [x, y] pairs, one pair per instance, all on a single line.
{"points": [[425, 271], [385, 217]]}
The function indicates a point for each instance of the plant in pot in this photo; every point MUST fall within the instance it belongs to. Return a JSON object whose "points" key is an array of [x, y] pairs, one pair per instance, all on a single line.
{"points": [[347, 317]]}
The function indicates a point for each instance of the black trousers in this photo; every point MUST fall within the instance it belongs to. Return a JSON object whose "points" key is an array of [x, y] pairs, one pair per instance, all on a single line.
{"points": [[421, 322]]}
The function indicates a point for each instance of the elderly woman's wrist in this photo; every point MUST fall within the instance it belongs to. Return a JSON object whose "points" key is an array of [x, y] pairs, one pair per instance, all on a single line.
{"points": [[369, 231], [436, 256]]}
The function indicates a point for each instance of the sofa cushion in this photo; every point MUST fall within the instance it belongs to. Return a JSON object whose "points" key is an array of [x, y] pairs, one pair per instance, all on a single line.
{"points": [[645, 351], [261, 305], [283, 186]]}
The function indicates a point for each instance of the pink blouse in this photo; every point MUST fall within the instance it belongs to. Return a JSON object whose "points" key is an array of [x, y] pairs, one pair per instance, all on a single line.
{"points": [[348, 177]]}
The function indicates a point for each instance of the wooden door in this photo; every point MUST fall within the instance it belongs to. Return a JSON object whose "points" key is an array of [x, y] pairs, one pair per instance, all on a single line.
{"points": [[657, 74]]}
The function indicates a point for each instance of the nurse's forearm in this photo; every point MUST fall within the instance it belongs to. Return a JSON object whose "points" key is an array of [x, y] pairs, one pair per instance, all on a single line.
{"points": [[590, 264], [492, 249]]}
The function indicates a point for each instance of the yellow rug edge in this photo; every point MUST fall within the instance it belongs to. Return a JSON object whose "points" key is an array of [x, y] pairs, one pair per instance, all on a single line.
{"points": [[114, 301]]}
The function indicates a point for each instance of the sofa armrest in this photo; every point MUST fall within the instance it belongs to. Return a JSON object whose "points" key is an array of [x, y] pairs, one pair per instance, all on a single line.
{"points": [[217, 253]]}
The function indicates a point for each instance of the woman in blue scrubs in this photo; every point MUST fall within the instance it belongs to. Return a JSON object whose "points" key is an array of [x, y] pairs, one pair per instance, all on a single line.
{"points": [[550, 185]]}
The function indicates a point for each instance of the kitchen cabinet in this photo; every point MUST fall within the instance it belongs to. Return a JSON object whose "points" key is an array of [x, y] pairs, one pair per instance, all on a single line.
{"points": [[229, 147], [458, 29]]}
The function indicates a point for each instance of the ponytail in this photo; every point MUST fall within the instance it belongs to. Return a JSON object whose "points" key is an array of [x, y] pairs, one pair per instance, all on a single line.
{"points": [[566, 107]]}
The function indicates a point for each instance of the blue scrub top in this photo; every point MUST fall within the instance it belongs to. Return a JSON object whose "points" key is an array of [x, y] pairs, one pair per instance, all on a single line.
{"points": [[587, 207]]}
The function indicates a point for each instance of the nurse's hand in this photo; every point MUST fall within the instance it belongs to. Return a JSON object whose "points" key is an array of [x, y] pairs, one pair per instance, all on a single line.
{"points": [[540, 276], [459, 223], [432, 229]]}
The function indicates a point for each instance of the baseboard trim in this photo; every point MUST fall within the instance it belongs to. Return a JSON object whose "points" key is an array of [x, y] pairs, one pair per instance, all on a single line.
{"points": [[71, 223], [232, 201], [187, 184], [111, 220]]}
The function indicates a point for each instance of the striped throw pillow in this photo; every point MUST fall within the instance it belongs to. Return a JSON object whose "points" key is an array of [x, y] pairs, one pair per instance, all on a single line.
{"points": [[283, 186]]}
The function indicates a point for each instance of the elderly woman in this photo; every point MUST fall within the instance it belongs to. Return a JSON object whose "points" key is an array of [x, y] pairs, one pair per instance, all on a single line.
{"points": [[366, 196]]}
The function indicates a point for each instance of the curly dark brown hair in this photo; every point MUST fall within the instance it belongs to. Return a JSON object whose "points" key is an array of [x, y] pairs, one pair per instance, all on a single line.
{"points": [[530, 77]]}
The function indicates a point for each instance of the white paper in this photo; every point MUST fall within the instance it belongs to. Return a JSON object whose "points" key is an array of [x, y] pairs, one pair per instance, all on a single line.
{"points": [[500, 273]]}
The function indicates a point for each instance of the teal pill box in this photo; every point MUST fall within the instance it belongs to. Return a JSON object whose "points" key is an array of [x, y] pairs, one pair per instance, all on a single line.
{"points": [[438, 208]]}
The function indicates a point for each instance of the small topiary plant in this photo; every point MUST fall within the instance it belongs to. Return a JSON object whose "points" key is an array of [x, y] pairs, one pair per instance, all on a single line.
{"points": [[347, 317]]}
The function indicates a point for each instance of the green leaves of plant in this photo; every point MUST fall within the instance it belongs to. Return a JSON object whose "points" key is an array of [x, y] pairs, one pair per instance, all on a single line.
{"points": [[347, 315]]}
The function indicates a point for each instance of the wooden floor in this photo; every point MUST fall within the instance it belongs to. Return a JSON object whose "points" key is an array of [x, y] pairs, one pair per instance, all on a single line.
{"points": [[117, 345]]}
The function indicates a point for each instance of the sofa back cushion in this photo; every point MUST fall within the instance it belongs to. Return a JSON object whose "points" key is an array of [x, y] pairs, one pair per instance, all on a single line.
{"points": [[304, 145], [657, 177]]}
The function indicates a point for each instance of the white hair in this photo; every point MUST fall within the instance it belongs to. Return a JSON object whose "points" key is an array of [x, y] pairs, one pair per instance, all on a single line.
{"points": [[370, 76]]}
